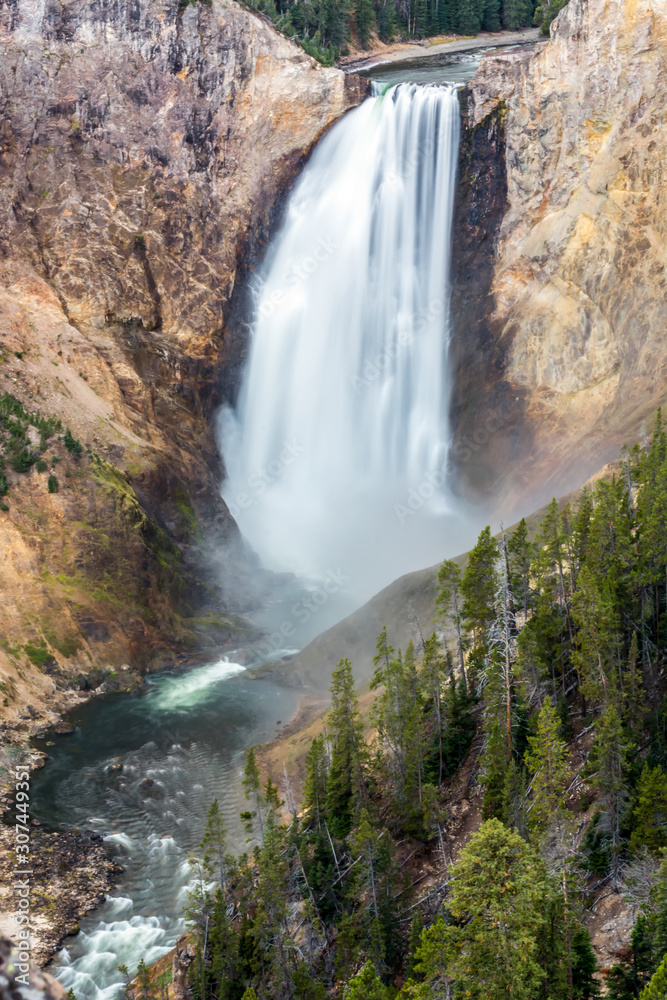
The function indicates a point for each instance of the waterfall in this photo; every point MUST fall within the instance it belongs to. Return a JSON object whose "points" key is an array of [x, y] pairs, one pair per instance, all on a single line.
{"points": [[336, 452]]}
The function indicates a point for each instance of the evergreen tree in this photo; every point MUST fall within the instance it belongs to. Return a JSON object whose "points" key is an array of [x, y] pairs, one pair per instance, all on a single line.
{"points": [[398, 715], [274, 945], [346, 791], [223, 950], [376, 881], [516, 14], [386, 20], [496, 764], [594, 617], [448, 602], [491, 16], [660, 923], [479, 586], [657, 988], [546, 12], [468, 19], [609, 757], [364, 16], [520, 555], [547, 760], [585, 986], [497, 900], [366, 985], [650, 812], [252, 789], [315, 782], [416, 929], [214, 844]]}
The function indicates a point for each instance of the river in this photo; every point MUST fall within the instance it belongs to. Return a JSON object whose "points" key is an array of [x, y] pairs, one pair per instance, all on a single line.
{"points": [[142, 769]]}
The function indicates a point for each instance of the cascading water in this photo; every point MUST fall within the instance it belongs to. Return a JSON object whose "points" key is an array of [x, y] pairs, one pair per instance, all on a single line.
{"points": [[336, 457], [337, 451]]}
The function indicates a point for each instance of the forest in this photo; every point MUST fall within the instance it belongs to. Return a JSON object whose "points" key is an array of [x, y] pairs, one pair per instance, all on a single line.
{"points": [[324, 28], [546, 637]]}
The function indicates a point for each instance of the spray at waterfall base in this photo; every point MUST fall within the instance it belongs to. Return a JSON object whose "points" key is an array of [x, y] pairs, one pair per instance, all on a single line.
{"points": [[348, 353]]}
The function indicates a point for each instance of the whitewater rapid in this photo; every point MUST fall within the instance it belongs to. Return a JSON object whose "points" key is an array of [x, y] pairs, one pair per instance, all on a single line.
{"points": [[337, 449], [142, 770]]}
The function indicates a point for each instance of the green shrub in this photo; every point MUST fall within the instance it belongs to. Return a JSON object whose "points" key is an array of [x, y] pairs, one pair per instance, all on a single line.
{"points": [[73, 446], [53, 484], [39, 655], [42, 466], [15, 443]]}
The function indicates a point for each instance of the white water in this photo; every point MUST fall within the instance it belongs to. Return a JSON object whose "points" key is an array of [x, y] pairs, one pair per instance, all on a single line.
{"points": [[337, 451], [180, 744]]}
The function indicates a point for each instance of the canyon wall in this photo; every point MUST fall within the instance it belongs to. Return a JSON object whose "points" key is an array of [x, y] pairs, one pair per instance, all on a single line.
{"points": [[560, 252], [145, 149]]}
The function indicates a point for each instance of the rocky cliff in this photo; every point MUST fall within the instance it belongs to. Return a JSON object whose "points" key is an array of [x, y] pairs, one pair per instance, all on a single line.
{"points": [[145, 148], [560, 267]]}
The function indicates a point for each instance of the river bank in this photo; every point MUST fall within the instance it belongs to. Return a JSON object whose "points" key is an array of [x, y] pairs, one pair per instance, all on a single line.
{"points": [[404, 52]]}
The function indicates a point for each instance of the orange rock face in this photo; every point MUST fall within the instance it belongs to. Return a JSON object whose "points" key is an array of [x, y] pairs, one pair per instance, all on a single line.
{"points": [[144, 153]]}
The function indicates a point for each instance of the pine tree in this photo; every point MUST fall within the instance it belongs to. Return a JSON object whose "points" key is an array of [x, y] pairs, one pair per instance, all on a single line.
{"points": [[346, 791], [649, 815], [491, 16], [660, 925], [399, 718], [416, 928], [594, 657], [585, 986], [432, 680], [274, 945], [657, 988], [520, 555], [222, 950], [479, 586], [271, 796], [366, 985], [468, 17], [365, 846], [609, 756], [214, 844], [364, 16], [548, 762], [315, 782], [251, 787], [386, 20], [516, 14], [546, 12], [495, 764], [144, 980], [497, 900], [448, 602]]}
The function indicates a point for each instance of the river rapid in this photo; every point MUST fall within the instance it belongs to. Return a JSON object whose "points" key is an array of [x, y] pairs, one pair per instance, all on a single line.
{"points": [[143, 769]]}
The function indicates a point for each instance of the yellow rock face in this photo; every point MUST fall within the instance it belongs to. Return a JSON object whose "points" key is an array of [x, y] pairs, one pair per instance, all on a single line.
{"points": [[580, 308]]}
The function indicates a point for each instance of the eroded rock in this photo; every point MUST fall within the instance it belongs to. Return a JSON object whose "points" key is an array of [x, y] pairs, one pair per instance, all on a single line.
{"points": [[563, 349]]}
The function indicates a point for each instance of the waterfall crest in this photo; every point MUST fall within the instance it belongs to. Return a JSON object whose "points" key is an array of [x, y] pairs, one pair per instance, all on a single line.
{"points": [[338, 445]]}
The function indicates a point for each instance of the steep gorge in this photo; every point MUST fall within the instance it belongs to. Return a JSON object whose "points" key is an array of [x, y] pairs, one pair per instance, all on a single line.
{"points": [[560, 252], [144, 152]]}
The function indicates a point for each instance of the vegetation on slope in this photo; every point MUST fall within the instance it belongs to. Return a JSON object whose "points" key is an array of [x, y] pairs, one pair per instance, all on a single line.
{"points": [[538, 640], [324, 27]]}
